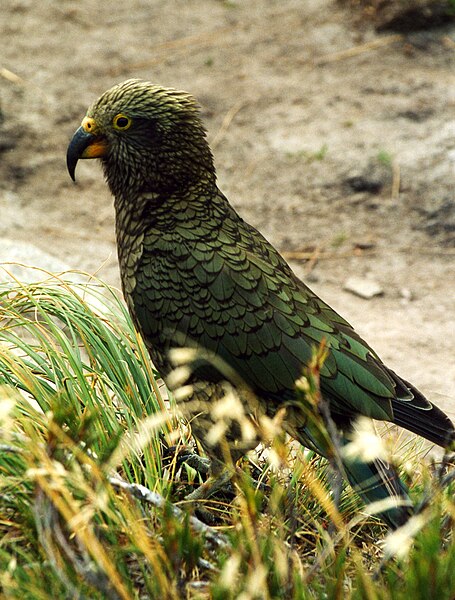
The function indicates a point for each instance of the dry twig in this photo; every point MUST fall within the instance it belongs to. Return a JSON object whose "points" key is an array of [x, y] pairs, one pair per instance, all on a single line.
{"points": [[217, 539], [228, 118], [356, 50]]}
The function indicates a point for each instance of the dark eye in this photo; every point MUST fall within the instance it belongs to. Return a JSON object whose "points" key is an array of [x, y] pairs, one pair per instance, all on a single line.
{"points": [[121, 122]]}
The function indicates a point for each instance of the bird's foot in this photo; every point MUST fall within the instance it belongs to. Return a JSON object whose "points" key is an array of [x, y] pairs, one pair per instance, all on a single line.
{"points": [[220, 485], [214, 484], [198, 463]]}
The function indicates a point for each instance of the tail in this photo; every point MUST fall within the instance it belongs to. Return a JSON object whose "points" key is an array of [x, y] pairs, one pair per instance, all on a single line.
{"points": [[378, 481], [419, 415], [374, 481]]}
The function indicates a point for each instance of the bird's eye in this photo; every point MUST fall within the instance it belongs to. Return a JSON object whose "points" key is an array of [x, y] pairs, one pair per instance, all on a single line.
{"points": [[122, 122]]}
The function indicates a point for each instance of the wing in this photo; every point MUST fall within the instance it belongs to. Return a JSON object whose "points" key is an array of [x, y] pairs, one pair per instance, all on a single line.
{"points": [[228, 290]]}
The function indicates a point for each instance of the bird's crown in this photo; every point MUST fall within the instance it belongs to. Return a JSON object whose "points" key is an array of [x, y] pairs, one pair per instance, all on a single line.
{"points": [[140, 98]]}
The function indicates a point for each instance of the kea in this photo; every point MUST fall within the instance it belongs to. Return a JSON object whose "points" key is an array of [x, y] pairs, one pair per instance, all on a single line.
{"points": [[195, 274]]}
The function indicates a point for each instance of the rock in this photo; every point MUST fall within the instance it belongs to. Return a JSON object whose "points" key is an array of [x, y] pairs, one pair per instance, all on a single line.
{"points": [[439, 220], [26, 262], [413, 15], [403, 16], [361, 183], [363, 287], [371, 178], [406, 294]]}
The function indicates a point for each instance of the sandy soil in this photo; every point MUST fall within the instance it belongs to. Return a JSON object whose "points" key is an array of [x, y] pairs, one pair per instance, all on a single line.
{"points": [[345, 156]]}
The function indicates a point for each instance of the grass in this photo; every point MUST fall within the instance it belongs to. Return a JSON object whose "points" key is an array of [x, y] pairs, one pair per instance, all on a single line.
{"points": [[385, 158], [310, 156], [92, 482]]}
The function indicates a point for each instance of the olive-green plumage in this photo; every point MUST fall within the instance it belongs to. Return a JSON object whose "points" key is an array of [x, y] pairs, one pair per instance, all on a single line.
{"points": [[195, 273]]}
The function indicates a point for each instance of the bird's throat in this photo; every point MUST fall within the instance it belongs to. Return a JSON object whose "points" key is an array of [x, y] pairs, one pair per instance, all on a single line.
{"points": [[166, 210]]}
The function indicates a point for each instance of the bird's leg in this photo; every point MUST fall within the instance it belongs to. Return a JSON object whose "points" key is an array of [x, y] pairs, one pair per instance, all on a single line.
{"points": [[220, 420], [223, 457], [218, 481], [201, 464], [214, 483]]}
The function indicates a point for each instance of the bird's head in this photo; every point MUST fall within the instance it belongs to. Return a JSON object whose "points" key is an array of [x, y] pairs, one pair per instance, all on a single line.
{"points": [[149, 139]]}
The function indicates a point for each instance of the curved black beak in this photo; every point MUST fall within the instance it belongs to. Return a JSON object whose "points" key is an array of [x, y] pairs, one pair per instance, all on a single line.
{"points": [[79, 143], [85, 144]]}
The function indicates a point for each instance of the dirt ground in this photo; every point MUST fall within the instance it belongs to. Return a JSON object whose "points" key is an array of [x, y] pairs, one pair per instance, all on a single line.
{"points": [[336, 142]]}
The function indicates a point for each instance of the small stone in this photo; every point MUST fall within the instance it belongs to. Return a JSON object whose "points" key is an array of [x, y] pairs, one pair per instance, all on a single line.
{"points": [[362, 287], [364, 245], [360, 183], [406, 294]]}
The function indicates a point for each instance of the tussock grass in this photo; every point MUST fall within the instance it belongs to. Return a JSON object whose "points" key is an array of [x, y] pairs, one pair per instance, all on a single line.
{"points": [[92, 482]]}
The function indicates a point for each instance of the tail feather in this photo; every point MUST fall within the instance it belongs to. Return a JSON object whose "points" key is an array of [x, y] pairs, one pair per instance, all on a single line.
{"points": [[378, 481], [416, 413], [432, 423], [374, 481]]}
